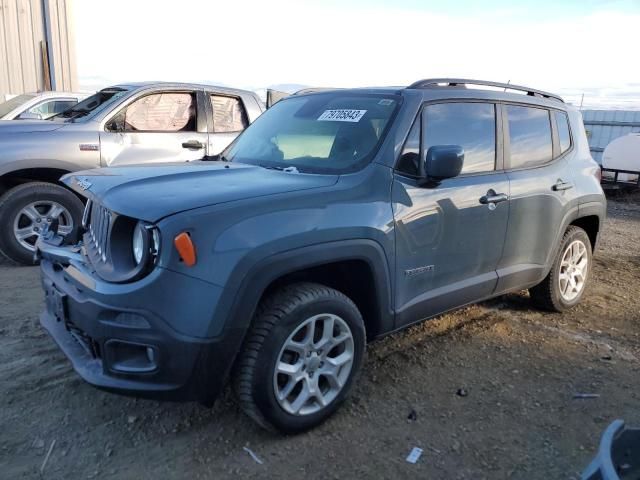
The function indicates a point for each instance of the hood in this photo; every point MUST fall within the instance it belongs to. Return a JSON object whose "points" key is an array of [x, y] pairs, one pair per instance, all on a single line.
{"points": [[153, 191], [29, 126]]}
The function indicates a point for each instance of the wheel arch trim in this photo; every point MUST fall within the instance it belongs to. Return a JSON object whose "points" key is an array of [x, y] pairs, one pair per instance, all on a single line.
{"points": [[238, 309]]}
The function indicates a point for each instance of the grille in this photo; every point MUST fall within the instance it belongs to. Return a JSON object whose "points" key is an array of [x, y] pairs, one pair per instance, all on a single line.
{"points": [[99, 223]]}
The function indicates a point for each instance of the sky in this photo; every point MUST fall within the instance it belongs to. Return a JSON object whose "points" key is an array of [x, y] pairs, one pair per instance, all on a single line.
{"points": [[569, 47]]}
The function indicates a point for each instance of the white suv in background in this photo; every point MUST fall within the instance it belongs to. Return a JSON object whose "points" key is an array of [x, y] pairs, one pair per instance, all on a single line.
{"points": [[38, 106]]}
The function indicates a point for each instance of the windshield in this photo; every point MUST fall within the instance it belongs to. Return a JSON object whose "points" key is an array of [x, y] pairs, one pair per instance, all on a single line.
{"points": [[92, 104], [14, 102], [323, 133]]}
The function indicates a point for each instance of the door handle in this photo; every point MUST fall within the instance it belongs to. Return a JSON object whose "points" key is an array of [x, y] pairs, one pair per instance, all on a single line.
{"points": [[493, 197], [561, 185], [193, 145]]}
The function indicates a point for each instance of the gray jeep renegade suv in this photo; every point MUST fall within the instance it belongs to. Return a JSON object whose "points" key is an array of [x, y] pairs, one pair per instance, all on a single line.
{"points": [[336, 218]]}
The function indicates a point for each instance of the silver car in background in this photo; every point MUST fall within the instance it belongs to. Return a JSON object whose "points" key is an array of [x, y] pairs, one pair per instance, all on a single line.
{"points": [[120, 125], [38, 106]]}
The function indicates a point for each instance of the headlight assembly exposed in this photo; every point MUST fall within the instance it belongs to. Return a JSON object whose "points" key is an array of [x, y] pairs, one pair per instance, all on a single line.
{"points": [[138, 242], [145, 243], [132, 250]]}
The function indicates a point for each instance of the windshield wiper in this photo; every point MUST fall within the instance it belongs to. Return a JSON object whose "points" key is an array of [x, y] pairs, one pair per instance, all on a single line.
{"points": [[290, 169], [215, 158]]}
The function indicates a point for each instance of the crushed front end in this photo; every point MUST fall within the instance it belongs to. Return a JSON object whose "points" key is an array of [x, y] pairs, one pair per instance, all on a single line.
{"points": [[118, 315]]}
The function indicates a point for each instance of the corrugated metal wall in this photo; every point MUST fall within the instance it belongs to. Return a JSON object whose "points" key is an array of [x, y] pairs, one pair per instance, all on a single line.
{"points": [[22, 33], [603, 126]]}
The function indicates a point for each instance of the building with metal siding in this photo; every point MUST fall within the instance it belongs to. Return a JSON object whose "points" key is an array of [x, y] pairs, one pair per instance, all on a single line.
{"points": [[603, 126], [37, 46]]}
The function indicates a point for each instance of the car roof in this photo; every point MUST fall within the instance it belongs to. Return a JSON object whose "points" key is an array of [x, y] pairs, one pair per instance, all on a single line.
{"points": [[154, 84]]}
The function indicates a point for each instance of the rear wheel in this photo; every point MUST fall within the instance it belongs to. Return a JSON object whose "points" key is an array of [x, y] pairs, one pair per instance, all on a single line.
{"points": [[564, 286], [27, 209], [301, 356]]}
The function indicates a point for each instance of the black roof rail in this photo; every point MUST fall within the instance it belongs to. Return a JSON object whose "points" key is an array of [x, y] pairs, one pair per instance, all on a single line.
{"points": [[462, 82]]}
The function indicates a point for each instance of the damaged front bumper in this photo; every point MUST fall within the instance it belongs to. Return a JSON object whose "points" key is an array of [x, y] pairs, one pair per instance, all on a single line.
{"points": [[123, 337]]}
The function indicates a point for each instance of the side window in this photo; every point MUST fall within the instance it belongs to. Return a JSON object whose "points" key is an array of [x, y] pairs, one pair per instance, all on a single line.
{"points": [[48, 109], [228, 114], [470, 125], [564, 135], [409, 162], [529, 136], [162, 112]]}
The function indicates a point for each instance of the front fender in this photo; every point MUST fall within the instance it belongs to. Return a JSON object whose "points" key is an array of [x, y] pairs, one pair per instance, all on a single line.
{"points": [[238, 305], [35, 164], [64, 149]]}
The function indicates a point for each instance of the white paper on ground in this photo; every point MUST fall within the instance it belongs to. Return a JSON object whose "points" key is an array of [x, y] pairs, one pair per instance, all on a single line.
{"points": [[414, 455]]}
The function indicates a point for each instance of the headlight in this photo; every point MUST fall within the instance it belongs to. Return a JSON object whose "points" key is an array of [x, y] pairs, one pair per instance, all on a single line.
{"points": [[138, 242], [132, 252]]}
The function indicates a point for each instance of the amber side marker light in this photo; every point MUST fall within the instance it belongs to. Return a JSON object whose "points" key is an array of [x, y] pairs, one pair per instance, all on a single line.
{"points": [[185, 248]]}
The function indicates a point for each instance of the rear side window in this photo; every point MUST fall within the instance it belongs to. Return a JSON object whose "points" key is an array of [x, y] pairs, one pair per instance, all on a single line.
{"points": [[469, 125], [529, 136], [228, 114], [564, 135]]}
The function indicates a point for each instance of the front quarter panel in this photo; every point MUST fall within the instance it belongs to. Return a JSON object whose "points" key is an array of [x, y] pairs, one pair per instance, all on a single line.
{"points": [[231, 239]]}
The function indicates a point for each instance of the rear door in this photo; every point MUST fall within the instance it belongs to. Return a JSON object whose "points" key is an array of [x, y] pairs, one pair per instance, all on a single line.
{"points": [[449, 239], [537, 144], [227, 119], [162, 126]]}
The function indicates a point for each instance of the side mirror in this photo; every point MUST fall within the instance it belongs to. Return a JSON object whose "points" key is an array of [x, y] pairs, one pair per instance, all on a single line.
{"points": [[444, 161], [116, 124], [29, 116]]}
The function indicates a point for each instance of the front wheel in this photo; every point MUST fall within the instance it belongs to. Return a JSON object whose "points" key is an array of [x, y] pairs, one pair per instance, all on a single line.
{"points": [[27, 209], [304, 349], [564, 286]]}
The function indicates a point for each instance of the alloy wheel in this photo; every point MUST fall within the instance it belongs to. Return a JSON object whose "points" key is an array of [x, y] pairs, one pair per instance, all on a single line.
{"points": [[573, 270], [32, 219], [314, 364]]}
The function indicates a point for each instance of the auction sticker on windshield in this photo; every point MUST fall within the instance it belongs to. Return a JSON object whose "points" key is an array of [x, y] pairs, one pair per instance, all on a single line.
{"points": [[342, 115]]}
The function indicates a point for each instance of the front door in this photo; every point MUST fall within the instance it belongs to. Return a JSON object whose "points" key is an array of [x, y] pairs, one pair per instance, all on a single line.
{"points": [[158, 127], [449, 235]]}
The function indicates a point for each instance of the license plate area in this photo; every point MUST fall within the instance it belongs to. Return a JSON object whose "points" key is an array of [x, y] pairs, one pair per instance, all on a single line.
{"points": [[57, 304]]}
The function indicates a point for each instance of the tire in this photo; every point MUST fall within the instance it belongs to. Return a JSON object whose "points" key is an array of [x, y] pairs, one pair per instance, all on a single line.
{"points": [[293, 309], [548, 294], [25, 208]]}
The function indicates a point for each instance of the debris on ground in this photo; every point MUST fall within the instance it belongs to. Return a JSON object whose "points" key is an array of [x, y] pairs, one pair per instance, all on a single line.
{"points": [[46, 458], [585, 396], [253, 455], [414, 455]]}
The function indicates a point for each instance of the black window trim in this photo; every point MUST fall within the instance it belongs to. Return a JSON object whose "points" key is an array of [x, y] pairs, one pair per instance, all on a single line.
{"points": [[566, 115], [396, 167], [499, 133], [556, 155]]}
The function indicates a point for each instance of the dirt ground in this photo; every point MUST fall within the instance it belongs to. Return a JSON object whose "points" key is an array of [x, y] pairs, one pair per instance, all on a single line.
{"points": [[519, 367]]}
